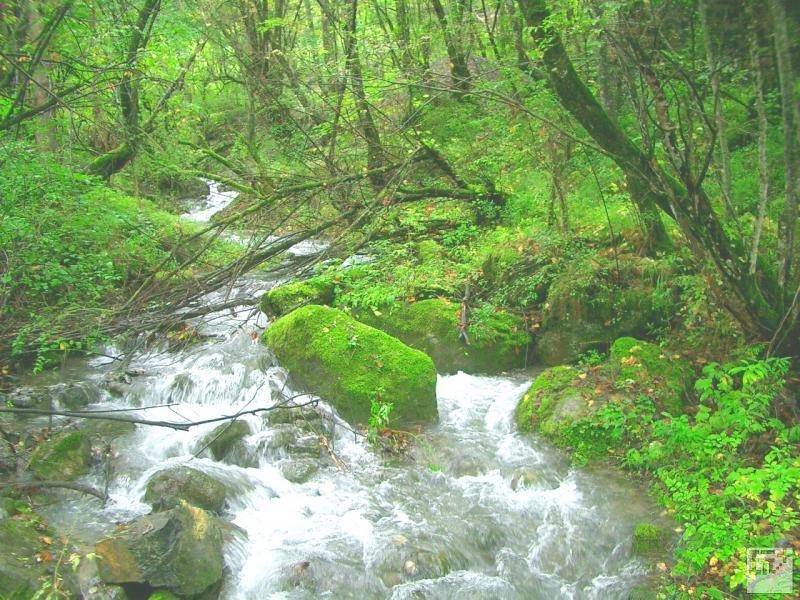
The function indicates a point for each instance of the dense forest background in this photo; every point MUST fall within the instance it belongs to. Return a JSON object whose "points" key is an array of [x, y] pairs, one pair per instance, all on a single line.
{"points": [[597, 168]]}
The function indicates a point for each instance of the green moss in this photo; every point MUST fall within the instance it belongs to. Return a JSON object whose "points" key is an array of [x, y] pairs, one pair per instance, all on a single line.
{"points": [[289, 296], [350, 364], [549, 402], [429, 251], [654, 368], [648, 538], [497, 339], [64, 457]]}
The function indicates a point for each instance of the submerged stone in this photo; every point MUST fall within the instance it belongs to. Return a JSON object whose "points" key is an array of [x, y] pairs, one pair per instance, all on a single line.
{"points": [[352, 365], [179, 549], [167, 488]]}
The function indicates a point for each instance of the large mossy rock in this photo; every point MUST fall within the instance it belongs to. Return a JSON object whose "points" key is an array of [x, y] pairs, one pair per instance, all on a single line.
{"points": [[497, 339], [597, 300], [167, 488], [179, 549], [350, 365], [554, 401], [63, 457], [562, 395], [285, 298]]}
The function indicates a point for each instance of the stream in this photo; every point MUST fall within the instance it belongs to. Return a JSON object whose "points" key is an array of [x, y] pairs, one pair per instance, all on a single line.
{"points": [[475, 511]]}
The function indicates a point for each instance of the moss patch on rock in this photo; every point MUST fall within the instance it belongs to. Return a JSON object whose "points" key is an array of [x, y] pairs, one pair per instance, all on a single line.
{"points": [[285, 298], [350, 365], [555, 400], [649, 539], [63, 457], [497, 339]]}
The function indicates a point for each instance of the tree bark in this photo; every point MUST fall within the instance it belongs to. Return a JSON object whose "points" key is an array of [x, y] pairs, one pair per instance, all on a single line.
{"points": [[752, 305], [459, 70], [791, 147]]}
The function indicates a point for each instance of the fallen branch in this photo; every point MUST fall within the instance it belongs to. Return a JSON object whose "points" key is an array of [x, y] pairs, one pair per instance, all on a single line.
{"points": [[67, 485]]}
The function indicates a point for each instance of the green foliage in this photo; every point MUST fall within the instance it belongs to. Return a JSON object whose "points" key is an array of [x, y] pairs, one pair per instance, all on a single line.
{"points": [[379, 416], [71, 244], [729, 474]]}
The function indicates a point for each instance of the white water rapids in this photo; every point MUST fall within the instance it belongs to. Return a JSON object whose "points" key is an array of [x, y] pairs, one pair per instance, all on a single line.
{"points": [[476, 511]]}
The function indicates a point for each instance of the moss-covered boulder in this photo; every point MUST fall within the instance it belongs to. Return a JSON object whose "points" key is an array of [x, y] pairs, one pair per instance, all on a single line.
{"points": [[497, 339], [167, 488], [649, 539], [554, 401], [663, 375], [226, 441], [63, 457], [179, 549], [597, 300], [285, 298], [350, 365]]}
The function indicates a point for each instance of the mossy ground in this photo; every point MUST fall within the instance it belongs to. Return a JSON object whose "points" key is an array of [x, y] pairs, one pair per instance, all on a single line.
{"points": [[352, 365]]}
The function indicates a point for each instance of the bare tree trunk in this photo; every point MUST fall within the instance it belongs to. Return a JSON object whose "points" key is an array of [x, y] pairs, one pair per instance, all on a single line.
{"points": [[375, 154], [763, 174], [791, 148], [713, 59], [459, 70]]}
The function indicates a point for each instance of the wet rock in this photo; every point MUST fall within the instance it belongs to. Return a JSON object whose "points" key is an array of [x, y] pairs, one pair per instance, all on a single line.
{"points": [[299, 471], [79, 395], [525, 477], [305, 445], [167, 488], [100, 431], [225, 439], [101, 591], [553, 401], [118, 389], [64, 457], [30, 398], [497, 340], [351, 365], [162, 595], [179, 549]]}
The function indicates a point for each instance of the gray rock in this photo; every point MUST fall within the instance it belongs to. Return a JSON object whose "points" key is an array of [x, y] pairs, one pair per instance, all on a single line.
{"points": [[299, 471], [167, 488], [179, 549]]}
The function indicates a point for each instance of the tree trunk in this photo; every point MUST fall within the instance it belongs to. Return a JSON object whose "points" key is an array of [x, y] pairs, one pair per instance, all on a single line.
{"points": [[752, 305], [763, 174], [375, 154], [791, 147], [459, 71]]}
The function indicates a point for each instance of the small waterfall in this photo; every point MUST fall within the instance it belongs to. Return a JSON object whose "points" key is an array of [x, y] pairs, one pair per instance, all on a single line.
{"points": [[476, 511]]}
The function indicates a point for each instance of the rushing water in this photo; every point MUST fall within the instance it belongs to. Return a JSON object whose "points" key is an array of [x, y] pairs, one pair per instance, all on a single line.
{"points": [[476, 511]]}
